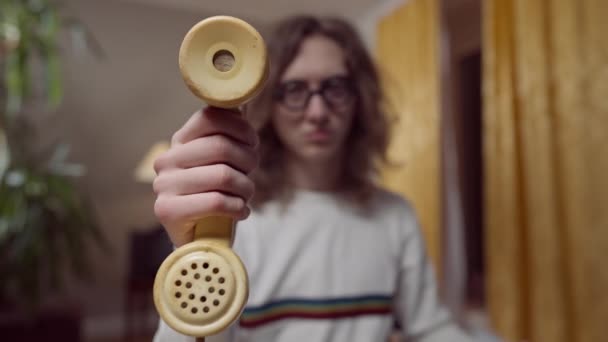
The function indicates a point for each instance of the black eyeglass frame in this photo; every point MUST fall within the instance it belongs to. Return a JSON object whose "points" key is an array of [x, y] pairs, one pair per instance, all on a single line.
{"points": [[326, 84]]}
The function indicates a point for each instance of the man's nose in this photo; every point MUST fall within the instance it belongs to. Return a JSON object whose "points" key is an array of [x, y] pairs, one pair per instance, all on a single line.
{"points": [[317, 109]]}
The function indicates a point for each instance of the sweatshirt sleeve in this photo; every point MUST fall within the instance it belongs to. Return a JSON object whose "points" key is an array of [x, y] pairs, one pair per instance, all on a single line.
{"points": [[419, 310]]}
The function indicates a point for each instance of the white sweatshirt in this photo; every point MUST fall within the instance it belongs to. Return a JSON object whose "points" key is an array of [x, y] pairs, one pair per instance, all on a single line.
{"points": [[322, 270]]}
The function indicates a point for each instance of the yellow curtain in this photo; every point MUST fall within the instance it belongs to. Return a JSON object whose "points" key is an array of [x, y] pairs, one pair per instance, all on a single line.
{"points": [[407, 52], [545, 137]]}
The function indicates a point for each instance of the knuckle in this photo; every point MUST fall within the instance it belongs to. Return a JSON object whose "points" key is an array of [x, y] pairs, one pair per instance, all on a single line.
{"points": [[249, 189], [159, 163], [244, 213], [221, 148], [176, 138], [158, 184], [217, 202], [162, 210], [220, 203], [163, 161], [225, 176], [240, 205]]}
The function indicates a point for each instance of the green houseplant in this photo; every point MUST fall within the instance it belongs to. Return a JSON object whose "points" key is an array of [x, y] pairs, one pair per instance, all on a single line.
{"points": [[46, 224]]}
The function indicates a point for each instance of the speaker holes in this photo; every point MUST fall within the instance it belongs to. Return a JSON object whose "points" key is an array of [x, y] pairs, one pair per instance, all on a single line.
{"points": [[200, 287]]}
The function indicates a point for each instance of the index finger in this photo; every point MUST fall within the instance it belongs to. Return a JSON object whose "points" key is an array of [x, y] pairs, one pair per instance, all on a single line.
{"points": [[212, 120]]}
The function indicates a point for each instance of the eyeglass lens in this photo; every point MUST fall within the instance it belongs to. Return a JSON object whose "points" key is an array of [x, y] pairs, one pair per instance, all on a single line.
{"points": [[336, 91]]}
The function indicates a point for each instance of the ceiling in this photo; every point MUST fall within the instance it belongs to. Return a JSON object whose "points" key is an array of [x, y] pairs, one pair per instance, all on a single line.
{"points": [[268, 10]]}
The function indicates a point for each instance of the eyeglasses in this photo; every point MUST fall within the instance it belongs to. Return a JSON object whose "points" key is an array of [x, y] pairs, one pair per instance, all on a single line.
{"points": [[337, 92]]}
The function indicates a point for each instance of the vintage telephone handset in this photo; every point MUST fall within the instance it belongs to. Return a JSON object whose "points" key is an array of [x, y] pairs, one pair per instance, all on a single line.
{"points": [[202, 287]]}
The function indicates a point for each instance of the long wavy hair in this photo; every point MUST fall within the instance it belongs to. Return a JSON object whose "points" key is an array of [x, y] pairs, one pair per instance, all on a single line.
{"points": [[368, 139]]}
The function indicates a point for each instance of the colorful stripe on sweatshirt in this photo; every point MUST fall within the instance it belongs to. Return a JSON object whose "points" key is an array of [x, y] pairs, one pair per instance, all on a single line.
{"points": [[332, 308]]}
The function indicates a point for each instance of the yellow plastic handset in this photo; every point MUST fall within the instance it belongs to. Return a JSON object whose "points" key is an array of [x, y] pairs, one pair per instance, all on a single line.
{"points": [[202, 287]]}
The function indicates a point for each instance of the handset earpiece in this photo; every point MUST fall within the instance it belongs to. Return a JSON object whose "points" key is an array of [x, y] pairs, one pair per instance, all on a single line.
{"points": [[202, 287]]}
